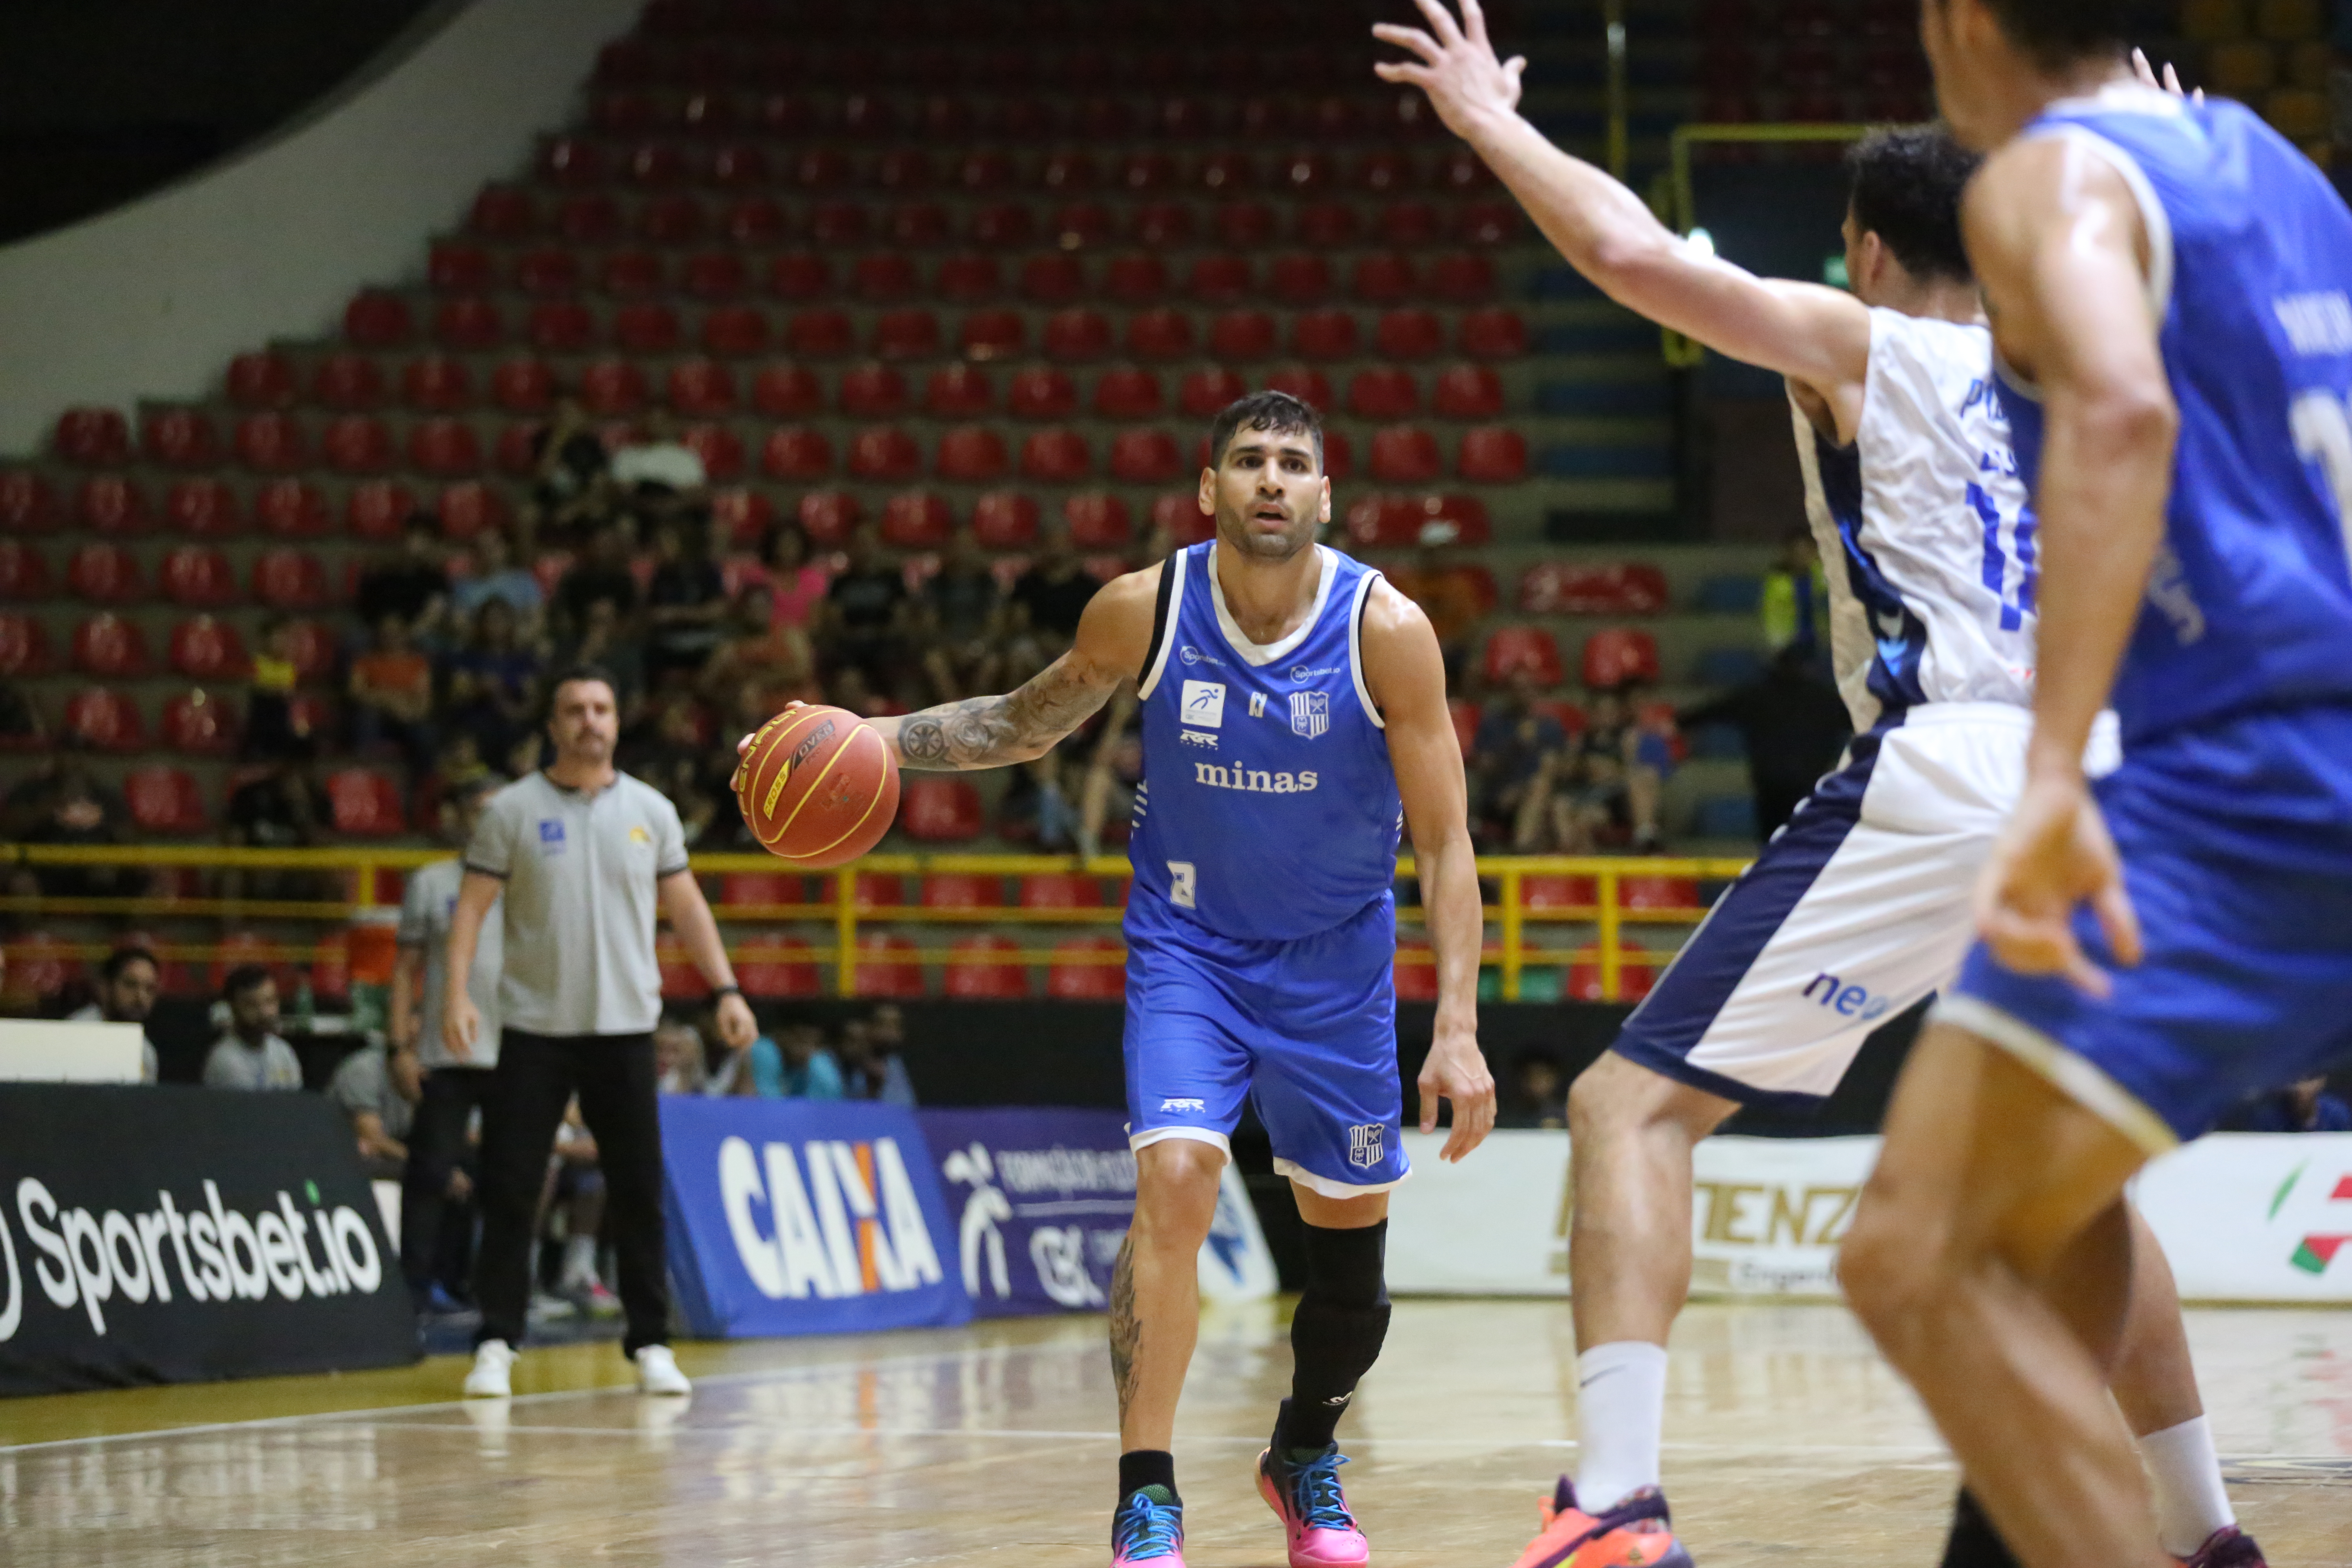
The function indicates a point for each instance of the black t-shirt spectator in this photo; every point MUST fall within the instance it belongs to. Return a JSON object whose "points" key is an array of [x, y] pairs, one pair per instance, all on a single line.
{"points": [[400, 588], [867, 601], [580, 459], [280, 813], [1054, 606], [962, 602], [587, 582]]}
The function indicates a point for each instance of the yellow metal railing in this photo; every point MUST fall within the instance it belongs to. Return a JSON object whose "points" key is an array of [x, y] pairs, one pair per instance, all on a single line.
{"points": [[847, 909]]}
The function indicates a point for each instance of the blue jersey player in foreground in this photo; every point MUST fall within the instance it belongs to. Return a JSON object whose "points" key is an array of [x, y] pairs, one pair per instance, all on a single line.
{"points": [[2170, 292], [1293, 713]]}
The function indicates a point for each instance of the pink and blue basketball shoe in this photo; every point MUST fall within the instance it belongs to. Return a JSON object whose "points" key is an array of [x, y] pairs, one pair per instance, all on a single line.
{"points": [[1321, 1533], [1148, 1528]]}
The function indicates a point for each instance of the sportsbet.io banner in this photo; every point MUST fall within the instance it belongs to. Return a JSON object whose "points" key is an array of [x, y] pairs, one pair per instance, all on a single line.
{"points": [[172, 1235], [802, 1217]]}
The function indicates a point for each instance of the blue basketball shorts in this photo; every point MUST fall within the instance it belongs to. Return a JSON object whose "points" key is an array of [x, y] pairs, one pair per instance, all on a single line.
{"points": [[2245, 983], [1305, 1030]]}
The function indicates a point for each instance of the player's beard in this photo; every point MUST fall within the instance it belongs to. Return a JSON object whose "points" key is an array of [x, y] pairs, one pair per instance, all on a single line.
{"points": [[1296, 535]]}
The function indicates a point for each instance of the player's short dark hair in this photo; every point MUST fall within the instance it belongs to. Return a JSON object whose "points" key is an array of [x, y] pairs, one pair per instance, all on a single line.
{"points": [[123, 958], [1275, 412], [2054, 34], [245, 977], [1906, 184]]}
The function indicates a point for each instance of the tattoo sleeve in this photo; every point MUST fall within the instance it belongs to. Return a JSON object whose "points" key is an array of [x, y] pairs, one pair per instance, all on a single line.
{"points": [[990, 732], [1125, 1333]]}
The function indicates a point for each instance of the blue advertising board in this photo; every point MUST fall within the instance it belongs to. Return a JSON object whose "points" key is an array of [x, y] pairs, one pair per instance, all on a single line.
{"points": [[794, 1216], [1045, 1197]]}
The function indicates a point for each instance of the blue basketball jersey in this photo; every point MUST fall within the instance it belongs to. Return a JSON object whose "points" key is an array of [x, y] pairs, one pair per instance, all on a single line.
{"points": [[2250, 606], [1268, 809]]}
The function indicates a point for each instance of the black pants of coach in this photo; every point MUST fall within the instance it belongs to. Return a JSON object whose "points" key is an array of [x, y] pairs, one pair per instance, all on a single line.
{"points": [[436, 1146], [614, 1077]]}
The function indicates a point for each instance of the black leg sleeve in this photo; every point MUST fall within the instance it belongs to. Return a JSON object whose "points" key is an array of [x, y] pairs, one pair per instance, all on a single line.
{"points": [[1336, 1335]]}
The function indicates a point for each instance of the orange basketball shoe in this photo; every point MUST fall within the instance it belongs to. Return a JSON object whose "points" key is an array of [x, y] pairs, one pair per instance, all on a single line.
{"points": [[1636, 1533]]}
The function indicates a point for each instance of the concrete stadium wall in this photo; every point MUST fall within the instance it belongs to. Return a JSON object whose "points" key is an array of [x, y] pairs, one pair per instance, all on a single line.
{"points": [[152, 300]]}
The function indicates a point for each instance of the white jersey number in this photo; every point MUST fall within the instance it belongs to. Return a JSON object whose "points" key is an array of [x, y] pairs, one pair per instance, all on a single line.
{"points": [[1182, 878], [2322, 424]]}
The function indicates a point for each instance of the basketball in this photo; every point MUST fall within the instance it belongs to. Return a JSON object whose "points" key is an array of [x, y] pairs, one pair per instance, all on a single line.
{"points": [[818, 786]]}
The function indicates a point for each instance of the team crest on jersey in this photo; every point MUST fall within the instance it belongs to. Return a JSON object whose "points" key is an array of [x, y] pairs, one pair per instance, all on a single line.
{"points": [[1310, 713], [1364, 1144]]}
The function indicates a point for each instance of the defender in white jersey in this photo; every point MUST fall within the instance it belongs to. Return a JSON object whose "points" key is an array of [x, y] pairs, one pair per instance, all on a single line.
{"points": [[1860, 906]]}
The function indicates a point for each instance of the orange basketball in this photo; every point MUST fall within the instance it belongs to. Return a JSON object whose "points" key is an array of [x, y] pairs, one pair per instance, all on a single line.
{"points": [[818, 786]]}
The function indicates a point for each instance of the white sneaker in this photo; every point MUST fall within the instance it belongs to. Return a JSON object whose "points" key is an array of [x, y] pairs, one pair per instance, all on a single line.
{"points": [[492, 1378], [657, 1372]]}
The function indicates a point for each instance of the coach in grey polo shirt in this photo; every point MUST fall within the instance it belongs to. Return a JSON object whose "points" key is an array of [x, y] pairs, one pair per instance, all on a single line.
{"points": [[586, 858]]}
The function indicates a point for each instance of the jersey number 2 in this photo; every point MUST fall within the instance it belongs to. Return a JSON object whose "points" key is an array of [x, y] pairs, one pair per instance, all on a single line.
{"points": [[2322, 424], [1182, 877]]}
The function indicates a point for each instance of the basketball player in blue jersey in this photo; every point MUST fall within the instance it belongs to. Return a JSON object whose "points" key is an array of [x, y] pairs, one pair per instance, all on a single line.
{"points": [[2170, 290], [1861, 907], [1292, 714]]}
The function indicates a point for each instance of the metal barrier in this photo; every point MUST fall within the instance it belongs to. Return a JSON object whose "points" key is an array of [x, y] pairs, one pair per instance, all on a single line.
{"points": [[844, 911]]}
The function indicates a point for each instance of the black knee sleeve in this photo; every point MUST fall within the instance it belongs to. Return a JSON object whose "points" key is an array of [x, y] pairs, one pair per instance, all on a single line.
{"points": [[1336, 1335]]}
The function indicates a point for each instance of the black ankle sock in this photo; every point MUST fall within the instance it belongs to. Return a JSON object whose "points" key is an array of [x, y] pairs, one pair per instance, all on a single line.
{"points": [[1974, 1542], [1141, 1467]]}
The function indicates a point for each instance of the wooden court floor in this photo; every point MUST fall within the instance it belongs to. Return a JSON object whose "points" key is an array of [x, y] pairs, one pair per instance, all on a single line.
{"points": [[1788, 1441]]}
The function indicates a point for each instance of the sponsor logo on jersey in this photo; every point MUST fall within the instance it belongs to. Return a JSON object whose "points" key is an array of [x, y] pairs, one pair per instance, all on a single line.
{"points": [[1257, 781], [1257, 704], [1191, 655], [1364, 1144], [1310, 713], [841, 1218], [1192, 1105], [1847, 1001], [1203, 704], [2316, 324], [1194, 738], [1300, 675], [550, 836]]}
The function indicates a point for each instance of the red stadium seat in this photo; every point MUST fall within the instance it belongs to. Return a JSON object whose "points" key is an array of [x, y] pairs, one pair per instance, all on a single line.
{"points": [[1659, 893], [885, 453], [1041, 392], [1060, 890], [819, 335], [1405, 455], [958, 391], [828, 517], [1383, 277], [1057, 455], [105, 721], [1327, 225], [632, 274], [569, 160], [967, 278], [290, 510], [24, 572], [105, 575], [1051, 279], [716, 275], [838, 224], [1220, 280], [904, 169], [795, 453], [205, 509], [163, 800], [1510, 649], [1077, 335], [885, 967], [1634, 979], [972, 454], [991, 335], [180, 438], [378, 318], [198, 724], [523, 387], [1068, 171], [1124, 392], [1468, 392], [1243, 226], [366, 803], [561, 327], [787, 392], [777, 966], [887, 276], [1494, 334], [469, 324], [459, 267], [700, 389], [376, 509], [755, 223], [646, 328], [356, 444], [1078, 224], [93, 438], [1462, 277], [737, 331], [105, 504], [671, 220], [720, 449], [444, 447], [261, 380], [1383, 392], [503, 212], [1002, 226], [1384, 521], [1299, 278], [583, 220], [907, 334], [1004, 520], [1085, 970], [1407, 224], [290, 579], [1136, 279], [466, 509], [1305, 383], [1179, 511], [1323, 335], [1415, 975], [800, 275], [207, 648], [1148, 457], [983, 170], [1409, 334], [1494, 454], [109, 647], [741, 517], [612, 387], [1617, 655], [1205, 392], [978, 968], [873, 392], [436, 384], [314, 651], [1487, 223], [1219, 174], [1098, 521], [1160, 334], [1465, 735], [1242, 336], [24, 646], [738, 889], [917, 520], [653, 164], [546, 274], [738, 166]]}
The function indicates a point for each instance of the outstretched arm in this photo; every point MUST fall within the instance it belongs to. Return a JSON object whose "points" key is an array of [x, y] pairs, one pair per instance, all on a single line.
{"points": [[1817, 335], [1406, 675]]}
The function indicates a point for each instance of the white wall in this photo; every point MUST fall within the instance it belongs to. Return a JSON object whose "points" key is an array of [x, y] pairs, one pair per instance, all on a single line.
{"points": [[151, 300]]}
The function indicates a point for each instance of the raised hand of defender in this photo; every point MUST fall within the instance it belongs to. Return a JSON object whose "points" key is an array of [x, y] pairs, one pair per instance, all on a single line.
{"points": [[2053, 855], [1457, 66], [1457, 1071], [2171, 83]]}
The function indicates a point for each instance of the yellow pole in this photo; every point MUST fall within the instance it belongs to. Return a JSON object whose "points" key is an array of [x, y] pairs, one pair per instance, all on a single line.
{"points": [[844, 931], [1612, 958], [1514, 929], [366, 898]]}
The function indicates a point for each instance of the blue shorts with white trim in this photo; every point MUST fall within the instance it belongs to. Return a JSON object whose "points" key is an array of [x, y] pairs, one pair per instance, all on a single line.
{"points": [[1303, 1030]]}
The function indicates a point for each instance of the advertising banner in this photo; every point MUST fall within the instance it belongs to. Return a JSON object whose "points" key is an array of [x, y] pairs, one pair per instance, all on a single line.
{"points": [[2255, 1217], [1045, 1198], [794, 1216], [172, 1234]]}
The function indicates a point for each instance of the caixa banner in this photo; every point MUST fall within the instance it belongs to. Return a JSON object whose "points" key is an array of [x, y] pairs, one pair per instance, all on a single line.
{"points": [[801, 1217], [168, 1234]]}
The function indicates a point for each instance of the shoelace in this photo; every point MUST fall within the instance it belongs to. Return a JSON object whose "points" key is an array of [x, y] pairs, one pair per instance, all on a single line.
{"points": [[1146, 1528], [1315, 1493]]}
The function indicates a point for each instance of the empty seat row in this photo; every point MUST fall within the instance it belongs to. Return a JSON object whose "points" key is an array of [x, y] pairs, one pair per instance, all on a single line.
{"points": [[197, 576], [995, 62], [196, 723], [1612, 657], [167, 800], [200, 648], [277, 442], [113, 507]]}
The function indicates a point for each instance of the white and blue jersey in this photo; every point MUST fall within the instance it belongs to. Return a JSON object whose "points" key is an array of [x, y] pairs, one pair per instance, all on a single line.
{"points": [[2233, 809], [1262, 928]]}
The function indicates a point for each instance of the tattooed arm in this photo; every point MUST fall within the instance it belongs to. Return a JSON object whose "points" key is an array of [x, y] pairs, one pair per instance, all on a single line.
{"points": [[1021, 726]]}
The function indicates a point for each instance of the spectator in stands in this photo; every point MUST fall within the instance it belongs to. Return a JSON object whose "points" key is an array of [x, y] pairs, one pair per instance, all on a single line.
{"points": [[1046, 602], [1618, 780], [252, 1055], [390, 689], [866, 615], [1795, 601], [271, 728], [127, 983], [1517, 763], [850, 689], [493, 681], [285, 808], [790, 1063], [959, 623], [61, 803], [2304, 1107], [576, 1190], [797, 584], [660, 476], [409, 580], [603, 573], [678, 1059], [686, 602], [1037, 809], [571, 484], [605, 641], [20, 722], [871, 1066], [762, 653], [1794, 726], [1106, 796], [497, 576], [1447, 594], [378, 1088], [1538, 1093]]}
